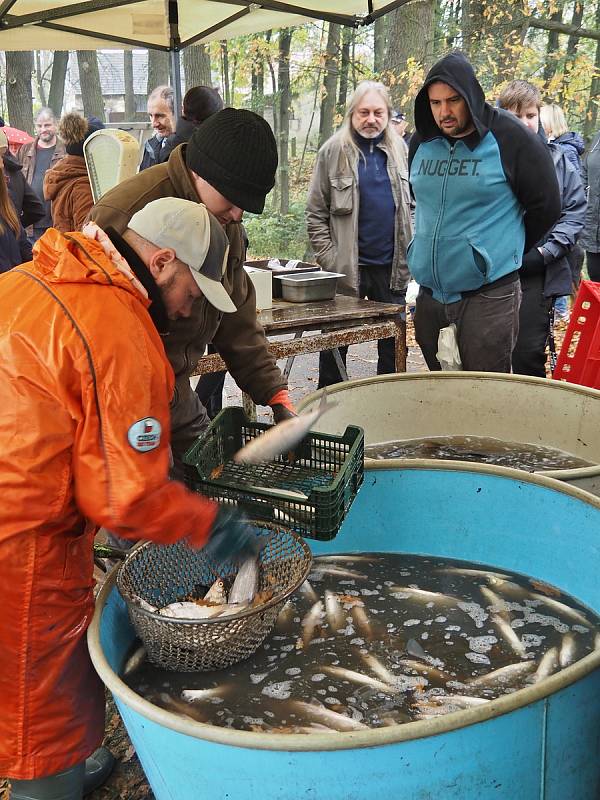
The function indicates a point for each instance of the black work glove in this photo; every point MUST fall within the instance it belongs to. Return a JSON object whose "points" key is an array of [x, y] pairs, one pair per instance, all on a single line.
{"points": [[231, 536], [533, 262], [281, 413]]}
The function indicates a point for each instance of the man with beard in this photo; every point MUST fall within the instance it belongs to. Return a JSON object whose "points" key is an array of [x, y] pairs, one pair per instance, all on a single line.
{"points": [[358, 212], [486, 192]]}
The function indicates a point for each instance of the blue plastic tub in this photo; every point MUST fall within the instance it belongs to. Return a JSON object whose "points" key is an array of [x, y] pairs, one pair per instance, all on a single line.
{"points": [[541, 743]]}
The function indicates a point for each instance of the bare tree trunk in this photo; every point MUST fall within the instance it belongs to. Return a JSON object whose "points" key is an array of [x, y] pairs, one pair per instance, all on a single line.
{"points": [[410, 35], [347, 34], [591, 116], [158, 69], [19, 69], [273, 89], [285, 99], [233, 77], [89, 80], [472, 25], [225, 73], [56, 94], [552, 51], [39, 77], [257, 92], [196, 66], [128, 85], [330, 79], [379, 41]]}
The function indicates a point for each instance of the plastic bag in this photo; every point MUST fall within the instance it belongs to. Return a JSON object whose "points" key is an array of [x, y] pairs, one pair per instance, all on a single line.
{"points": [[448, 353], [412, 290]]}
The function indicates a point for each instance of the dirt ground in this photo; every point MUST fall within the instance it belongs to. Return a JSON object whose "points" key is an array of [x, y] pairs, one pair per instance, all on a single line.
{"points": [[128, 781]]}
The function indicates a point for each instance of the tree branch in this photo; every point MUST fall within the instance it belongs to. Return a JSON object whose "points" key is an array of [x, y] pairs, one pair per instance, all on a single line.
{"points": [[563, 27]]}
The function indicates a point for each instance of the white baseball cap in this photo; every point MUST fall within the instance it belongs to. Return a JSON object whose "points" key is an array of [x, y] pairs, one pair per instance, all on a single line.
{"points": [[197, 239]]}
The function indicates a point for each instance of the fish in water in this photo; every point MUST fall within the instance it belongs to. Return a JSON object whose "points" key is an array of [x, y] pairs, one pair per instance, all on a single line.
{"points": [[335, 613], [379, 669], [361, 621], [245, 584], [548, 664], [311, 621], [194, 695], [281, 438], [506, 631], [338, 572], [351, 675], [562, 609], [325, 716], [503, 676], [135, 660], [307, 590], [567, 651], [424, 595]]}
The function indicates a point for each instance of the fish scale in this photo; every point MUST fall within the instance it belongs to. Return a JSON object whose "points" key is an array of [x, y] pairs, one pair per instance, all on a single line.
{"points": [[356, 649]]}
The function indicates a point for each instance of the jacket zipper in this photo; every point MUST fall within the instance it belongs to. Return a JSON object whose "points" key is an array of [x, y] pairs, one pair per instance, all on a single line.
{"points": [[439, 219]]}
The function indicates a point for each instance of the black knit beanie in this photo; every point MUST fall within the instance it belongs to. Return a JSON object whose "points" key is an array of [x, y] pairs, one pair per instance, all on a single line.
{"points": [[235, 151]]}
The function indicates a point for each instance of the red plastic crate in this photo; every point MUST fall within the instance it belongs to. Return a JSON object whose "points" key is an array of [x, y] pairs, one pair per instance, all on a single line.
{"points": [[579, 359]]}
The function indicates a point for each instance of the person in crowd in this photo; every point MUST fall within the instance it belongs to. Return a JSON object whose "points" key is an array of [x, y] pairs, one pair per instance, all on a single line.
{"points": [[555, 125], [37, 158], [161, 110], [67, 185], [15, 248], [590, 238], [399, 124], [229, 165], [486, 192], [92, 449], [199, 103], [571, 143], [545, 272], [28, 205], [358, 212]]}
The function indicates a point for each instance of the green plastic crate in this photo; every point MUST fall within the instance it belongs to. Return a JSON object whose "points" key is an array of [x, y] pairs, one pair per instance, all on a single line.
{"points": [[309, 491]]}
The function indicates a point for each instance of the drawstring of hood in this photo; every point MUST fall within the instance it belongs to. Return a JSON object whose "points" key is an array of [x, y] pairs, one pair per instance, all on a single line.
{"points": [[91, 231]]}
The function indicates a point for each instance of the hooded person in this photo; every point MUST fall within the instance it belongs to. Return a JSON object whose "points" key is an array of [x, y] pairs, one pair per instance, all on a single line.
{"points": [[67, 184], [86, 444], [229, 165], [199, 103], [485, 191]]}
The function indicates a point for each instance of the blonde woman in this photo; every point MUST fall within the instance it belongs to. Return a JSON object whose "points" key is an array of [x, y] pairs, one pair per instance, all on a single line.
{"points": [[571, 143]]}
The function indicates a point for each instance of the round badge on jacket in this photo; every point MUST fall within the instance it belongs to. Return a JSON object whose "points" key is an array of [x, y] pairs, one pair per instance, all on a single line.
{"points": [[144, 434]]}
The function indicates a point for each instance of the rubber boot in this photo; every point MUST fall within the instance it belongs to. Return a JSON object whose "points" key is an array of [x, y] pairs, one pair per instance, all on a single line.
{"points": [[66, 785], [98, 768]]}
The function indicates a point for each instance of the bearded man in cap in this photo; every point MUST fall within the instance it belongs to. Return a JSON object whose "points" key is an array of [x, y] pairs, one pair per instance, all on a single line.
{"points": [[228, 165]]}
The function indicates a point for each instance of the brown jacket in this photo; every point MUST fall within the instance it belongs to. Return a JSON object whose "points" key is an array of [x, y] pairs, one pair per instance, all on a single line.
{"points": [[26, 156], [332, 209], [238, 337], [67, 185]]}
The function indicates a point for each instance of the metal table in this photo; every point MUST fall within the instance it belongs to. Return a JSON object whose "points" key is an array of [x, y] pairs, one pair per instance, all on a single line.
{"points": [[340, 322]]}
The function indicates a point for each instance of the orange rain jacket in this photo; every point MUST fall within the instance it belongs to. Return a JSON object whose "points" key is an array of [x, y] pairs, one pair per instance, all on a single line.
{"points": [[80, 364]]}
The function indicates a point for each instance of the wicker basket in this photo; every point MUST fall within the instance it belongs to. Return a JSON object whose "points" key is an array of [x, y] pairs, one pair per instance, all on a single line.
{"points": [[164, 575]]}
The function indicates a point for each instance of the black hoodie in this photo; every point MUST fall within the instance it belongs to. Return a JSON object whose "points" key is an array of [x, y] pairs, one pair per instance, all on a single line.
{"points": [[493, 193]]}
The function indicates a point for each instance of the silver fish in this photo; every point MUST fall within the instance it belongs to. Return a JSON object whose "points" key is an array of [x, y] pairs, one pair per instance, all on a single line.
{"points": [[310, 622], [325, 716], [245, 584], [548, 664], [351, 675], [463, 700], [561, 608], [337, 572], [495, 602], [146, 605], [427, 670], [189, 610], [307, 590], [361, 621], [286, 616], [191, 695], [379, 669], [216, 594], [476, 573], [502, 676], [335, 613], [505, 629], [281, 438], [424, 595], [348, 558], [568, 648], [135, 660]]}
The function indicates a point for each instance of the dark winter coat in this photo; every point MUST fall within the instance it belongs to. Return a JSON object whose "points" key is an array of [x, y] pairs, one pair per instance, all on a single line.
{"points": [[590, 175], [152, 152], [28, 205], [572, 145], [182, 135], [14, 250]]}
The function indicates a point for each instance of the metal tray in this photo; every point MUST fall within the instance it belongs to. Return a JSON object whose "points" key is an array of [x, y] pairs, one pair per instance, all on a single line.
{"points": [[302, 267], [309, 286]]}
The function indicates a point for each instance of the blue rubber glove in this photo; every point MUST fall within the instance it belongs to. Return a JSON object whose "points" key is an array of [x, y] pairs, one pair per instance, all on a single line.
{"points": [[231, 537]]}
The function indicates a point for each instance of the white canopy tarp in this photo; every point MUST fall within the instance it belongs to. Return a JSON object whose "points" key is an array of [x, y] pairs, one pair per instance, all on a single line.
{"points": [[163, 24]]}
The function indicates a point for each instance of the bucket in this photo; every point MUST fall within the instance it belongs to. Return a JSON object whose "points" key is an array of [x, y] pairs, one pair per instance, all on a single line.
{"points": [[539, 743], [512, 408]]}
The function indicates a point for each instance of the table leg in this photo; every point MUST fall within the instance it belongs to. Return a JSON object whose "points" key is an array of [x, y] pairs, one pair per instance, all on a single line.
{"points": [[249, 407], [290, 361], [340, 364], [400, 345]]}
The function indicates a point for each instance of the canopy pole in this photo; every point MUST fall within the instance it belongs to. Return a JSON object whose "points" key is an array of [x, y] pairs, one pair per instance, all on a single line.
{"points": [[175, 74]]}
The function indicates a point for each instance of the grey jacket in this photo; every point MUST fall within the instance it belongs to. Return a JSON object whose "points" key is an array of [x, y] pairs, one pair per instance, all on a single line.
{"points": [[590, 175], [332, 213], [564, 234]]}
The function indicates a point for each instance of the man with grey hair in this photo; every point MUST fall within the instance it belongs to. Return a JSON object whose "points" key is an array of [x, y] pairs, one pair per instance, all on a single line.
{"points": [[358, 212], [37, 158], [161, 110]]}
